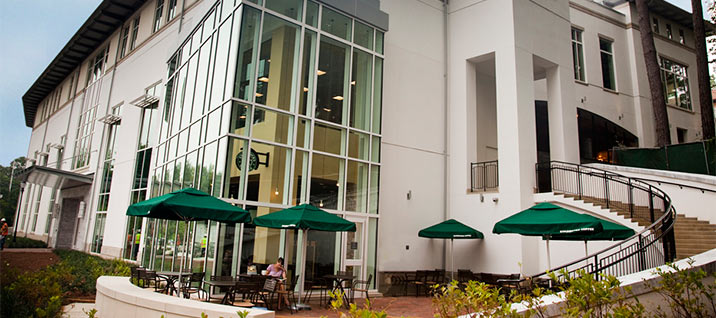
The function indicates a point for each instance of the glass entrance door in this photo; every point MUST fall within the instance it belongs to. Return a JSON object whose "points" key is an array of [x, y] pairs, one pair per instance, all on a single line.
{"points": [[354, 248]]}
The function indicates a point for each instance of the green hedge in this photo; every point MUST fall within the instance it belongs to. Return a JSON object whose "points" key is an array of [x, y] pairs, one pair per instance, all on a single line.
{"points": [[41, 293], [23, 242]]}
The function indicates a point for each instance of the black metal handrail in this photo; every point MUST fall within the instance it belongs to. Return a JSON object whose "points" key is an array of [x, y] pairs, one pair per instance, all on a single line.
{"points": [[651, 247], [484, 176]]}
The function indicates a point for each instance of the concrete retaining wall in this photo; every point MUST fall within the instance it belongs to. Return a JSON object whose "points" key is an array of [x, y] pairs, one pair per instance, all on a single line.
{"points": [[117, 297]]}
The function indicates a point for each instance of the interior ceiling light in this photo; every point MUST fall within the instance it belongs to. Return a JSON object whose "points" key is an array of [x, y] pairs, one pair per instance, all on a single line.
{"points": [[327, 109], [338, 97], [353, 82], [305, 89], [259, 95], [263, 79], [319, 72], [242, 116]]}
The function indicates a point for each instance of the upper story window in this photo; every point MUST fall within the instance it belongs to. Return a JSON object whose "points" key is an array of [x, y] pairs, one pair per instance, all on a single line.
{"points": [[655, 25], [123, 41], [158, 16], [578, 54], [682, 37], [676, 83], [171, 9], [135, 30], [669, 33], [96, 66], [606, 52]]}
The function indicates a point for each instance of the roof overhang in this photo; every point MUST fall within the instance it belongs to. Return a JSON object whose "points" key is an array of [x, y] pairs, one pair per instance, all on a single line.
{"points": [[54, 178], [109, 15], [667, 10]]}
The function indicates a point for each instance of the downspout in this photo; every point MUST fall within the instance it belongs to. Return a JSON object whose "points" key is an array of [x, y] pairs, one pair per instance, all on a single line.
{"points": [[89, 212], [446, 168]]}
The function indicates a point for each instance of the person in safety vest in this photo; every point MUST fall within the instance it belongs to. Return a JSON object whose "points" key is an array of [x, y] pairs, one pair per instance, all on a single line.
{"points": [[203, 245], [135, 248]]}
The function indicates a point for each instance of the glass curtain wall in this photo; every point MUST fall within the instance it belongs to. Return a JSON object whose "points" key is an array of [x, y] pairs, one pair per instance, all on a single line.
{"points": [[269, 105]]}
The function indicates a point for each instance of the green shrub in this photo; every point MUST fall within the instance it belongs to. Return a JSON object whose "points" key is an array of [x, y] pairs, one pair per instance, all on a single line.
{"points": [[585, 296], [685, 292], [41, 293], [23, 242]]}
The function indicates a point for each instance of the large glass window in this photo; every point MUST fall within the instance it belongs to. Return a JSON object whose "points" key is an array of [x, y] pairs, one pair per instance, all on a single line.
{"points": [[326, 179], [357, 186], [377, 95], [261, 246], [289, 8], [98, 233], [329, 139], [607, 55], [235, 164], [676, 83], [268, 173], [333, 62], [245, 67], [277, 63], [361, 88], [336, 24], [578, 55], [363, 35], [272, 126], [307, 72]]}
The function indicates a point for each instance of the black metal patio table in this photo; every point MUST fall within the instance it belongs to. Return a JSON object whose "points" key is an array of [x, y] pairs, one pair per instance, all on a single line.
{"points": [[171, 278], [338, 281], [222, 283]]}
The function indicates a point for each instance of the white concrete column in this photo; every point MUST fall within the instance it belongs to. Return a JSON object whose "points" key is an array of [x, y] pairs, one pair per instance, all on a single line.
{"points": [[563, 133], [516, 140]]}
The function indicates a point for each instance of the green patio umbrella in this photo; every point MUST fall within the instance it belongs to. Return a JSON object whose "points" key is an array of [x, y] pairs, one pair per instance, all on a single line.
{"points": [[451, 229], [305, 217], [610, 232], [186, 205], [546, 219], [189, 205]]}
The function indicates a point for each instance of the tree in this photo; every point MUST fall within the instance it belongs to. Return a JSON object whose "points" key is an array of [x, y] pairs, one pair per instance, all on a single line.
{"points": [[8, 202], [661, 119], [702, 70]]}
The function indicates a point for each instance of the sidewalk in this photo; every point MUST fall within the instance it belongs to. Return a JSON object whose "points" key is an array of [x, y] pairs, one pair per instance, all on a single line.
{"points": [[393, 306]]}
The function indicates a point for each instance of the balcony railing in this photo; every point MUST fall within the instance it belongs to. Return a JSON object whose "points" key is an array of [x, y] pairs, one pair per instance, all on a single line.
{"points": [[653, 246], [484, 176]]}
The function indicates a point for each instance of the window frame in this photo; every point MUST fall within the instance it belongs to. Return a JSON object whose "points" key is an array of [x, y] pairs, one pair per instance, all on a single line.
{"points": [[612, 69], [663, 72], [580, 72]]}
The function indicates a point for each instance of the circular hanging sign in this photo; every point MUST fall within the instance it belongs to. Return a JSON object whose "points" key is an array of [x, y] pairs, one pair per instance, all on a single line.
{"points": [[253, 160]]}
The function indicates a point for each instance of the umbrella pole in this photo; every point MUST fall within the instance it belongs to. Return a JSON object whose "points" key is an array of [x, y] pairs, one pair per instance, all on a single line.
{"points": [[452, 259], [302, 279], [586, 251], [181, 268], [549, 263]]}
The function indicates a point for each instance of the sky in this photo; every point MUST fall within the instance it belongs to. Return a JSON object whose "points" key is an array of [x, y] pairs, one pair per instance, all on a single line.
{"points": [[32, 33]]}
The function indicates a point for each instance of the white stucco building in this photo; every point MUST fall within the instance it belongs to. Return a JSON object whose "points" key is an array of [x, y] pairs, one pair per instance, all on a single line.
{"points": [[373, 110]]}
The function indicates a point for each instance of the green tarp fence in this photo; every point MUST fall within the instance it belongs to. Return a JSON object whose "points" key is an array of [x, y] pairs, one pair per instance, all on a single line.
{"points": [[694, 157]]}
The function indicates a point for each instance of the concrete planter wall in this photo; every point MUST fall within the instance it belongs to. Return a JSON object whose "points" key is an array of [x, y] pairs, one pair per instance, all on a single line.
{"points": [[117, 297]]}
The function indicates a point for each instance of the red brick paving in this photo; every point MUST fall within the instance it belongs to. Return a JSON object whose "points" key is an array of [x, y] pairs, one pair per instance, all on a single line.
{"points": [[393, 306]]}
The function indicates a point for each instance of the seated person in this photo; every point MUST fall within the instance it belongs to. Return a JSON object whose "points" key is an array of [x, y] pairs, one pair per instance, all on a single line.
{"points": [[276, 270]]}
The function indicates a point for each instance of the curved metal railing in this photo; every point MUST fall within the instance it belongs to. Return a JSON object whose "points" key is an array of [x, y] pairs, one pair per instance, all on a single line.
{"points": [[633, 198]]}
